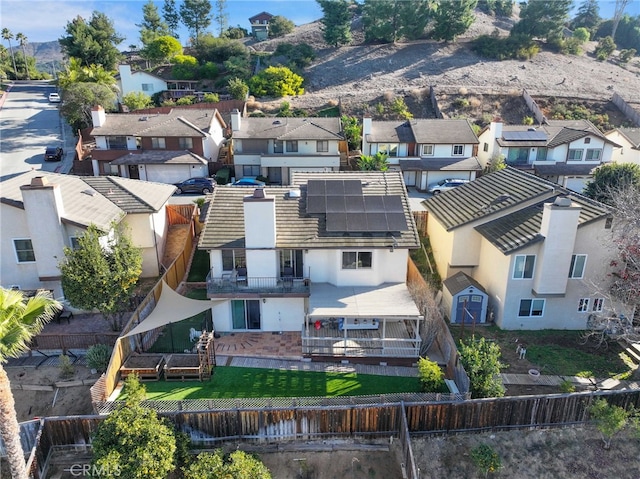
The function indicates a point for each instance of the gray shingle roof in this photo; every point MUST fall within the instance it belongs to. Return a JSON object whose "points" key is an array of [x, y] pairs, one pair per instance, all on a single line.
{"points": [[290, 128], [461, 281], [423, 131], [177, 123], [441, 164], [391, 131], [631, 134], [157, 157], [224, 226]]}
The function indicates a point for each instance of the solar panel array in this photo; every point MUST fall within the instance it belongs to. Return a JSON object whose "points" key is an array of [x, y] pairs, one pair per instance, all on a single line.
{"points": [[348, 210], [529, 135]]}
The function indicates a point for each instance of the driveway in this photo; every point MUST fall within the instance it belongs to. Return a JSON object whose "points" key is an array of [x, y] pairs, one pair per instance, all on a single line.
{"points": [[416, 198]]}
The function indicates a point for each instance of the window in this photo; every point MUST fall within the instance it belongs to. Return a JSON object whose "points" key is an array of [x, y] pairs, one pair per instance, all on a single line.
{"points": [[575, 155], [251, 170], [598, 303], [594, 154], [531, 308], [608, 223], [517, 156], [427, 150], [583, 305], [322, 146], [277, 146], [117, 142], [357, 259], [458, 150], [523, 266], [74, 241], [185, 143], [232, 259], [541, 154], [292, 146], [245, 314], [587, 140], [291, 258], [157, 143], [485, 147], [576, 270], [390, 150], [147, 87], [24, 250]]}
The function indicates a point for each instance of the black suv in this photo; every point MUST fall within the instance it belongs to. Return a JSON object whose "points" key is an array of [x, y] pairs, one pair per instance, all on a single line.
{"points": [[195, 185], [53, 153]]}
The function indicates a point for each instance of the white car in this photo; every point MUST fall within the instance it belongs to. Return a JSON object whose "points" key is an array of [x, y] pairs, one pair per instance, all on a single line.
{"points": [[54, 98], [445, 185]]}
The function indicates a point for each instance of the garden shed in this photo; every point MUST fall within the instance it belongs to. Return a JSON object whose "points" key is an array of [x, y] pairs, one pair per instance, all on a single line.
{"points": [[464, 299]]}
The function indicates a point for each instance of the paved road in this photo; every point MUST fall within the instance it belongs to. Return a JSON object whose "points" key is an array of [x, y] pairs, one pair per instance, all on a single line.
{"points": [[28, 124]]}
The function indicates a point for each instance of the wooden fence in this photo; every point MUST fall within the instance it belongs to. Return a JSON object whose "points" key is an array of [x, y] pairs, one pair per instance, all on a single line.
{"points": [[69, 341], [420, 218], [263, 425]]}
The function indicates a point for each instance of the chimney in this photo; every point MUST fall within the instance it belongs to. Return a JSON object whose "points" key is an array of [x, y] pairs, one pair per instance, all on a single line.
{"points": [[259, 220], [559, 227], [496, 128], [235, 120], [98, 116], [367, 126]]}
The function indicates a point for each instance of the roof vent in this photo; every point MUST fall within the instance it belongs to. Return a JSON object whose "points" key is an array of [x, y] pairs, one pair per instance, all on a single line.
{"points": [[277, 122], [89, 192], [562, 201], [258, 193], [531, 128], [39, 181], [143, 118], [295, 193]]}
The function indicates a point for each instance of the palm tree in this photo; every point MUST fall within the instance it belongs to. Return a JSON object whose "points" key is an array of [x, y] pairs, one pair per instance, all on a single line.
{"points": [[7, 35], [22, 39], [20, 320]]}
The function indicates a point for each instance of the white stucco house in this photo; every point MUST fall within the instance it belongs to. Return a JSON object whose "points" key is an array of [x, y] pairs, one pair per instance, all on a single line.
{"points": [[562, 151], [326, 256], [629, 141], [42, 213], [425, 150], [162, 147], [276, 147], [138, 81], [540, 251]]}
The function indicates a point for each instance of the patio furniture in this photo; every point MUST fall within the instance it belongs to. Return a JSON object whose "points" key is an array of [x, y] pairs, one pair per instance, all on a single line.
{"points": [[194, 334], [63, 314], [241, 275]]}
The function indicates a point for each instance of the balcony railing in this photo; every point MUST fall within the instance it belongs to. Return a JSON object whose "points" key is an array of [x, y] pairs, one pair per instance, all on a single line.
{"points": [[232, 283]]}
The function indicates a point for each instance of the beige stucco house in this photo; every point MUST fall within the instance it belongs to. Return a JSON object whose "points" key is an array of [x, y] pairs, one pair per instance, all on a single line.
{"points": [[42, 213], [629, 141], [540, 251]]}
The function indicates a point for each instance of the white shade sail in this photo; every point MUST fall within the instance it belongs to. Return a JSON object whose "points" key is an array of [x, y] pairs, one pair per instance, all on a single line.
{"points": [[171, 308]]}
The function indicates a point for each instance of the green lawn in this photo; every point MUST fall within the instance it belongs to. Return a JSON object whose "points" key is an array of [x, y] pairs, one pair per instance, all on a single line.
{"points": [[199, 267], [232, 382]]}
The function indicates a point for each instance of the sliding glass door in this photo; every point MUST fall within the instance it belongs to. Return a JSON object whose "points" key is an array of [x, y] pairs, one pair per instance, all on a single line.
{"points": [[245, 314]]}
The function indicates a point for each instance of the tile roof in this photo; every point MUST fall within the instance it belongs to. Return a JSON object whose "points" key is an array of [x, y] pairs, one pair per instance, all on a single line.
{"points": [[295, 228], [441, 164], [558, 132], [563, 169], [290, 128], [631, 134], [390, 131], [461, 281], [423, 131], [176, 123], [94, 200], [519, 229], [156, 157], [488, 195]]}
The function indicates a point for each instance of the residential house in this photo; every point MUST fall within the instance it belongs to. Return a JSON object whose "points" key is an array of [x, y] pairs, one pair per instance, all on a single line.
{"points": [[629, 141], [260, 25], [42, 213], [540, 251], [275, 147], [562, 151], [425, 150], [162, 147], [138, 81], [326, 256]]}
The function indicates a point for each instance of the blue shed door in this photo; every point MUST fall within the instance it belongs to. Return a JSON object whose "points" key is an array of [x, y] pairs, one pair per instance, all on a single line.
{"points": [[473, 303]]}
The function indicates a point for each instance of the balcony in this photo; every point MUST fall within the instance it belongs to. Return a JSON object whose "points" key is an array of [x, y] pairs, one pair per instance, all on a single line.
{"points": [[238, 285]]}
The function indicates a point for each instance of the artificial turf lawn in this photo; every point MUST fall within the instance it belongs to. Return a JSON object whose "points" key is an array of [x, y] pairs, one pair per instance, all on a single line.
{"points": [[233, 382]]}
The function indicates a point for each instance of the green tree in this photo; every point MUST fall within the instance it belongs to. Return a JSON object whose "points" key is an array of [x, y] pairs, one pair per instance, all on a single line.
{"points": [[196, 15], [610, 178], [336, 21], [171, 17], [7, 35], [276, 81], [22, 41], [617, 16], [353, 131], [94, 43], [237, 465], [152, 25], [76, 72], [279, 26], [581, 34], [496, 163], [235, 33], [390, 20], [377, 162], [238, 89], [221, 15], [430, 375], [239, 67], [101, 277], [609, 420], [501, 8], [185, 67], [79, 98], [137, 100], [212, 49], [133, 442], [481, 360], [588, 16], [20, 320], [605, 48], [543, 18], [163, 49], [453, 18]]}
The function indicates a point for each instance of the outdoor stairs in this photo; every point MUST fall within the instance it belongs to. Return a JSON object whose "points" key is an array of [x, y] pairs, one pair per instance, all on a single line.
{"points": [[633, 352]]}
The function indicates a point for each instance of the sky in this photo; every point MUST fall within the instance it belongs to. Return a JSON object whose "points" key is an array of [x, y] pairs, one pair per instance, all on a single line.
{"points": [[43, 21]]}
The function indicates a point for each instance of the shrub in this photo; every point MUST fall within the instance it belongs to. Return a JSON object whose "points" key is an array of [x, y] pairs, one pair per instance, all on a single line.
{"points": [[486, 459], [208, 71], [276, 81], [67, 369], [352, 131], [431, 376], [211, 98], [627, 55], [186, 100], [567, 387], [300, 55], [98, 357], [399, 107], [461, 103], [581, 34], [481, 360], [609, 419], [605, 48], [185, 67], [517, 46], [238, 89], [527, 120]]}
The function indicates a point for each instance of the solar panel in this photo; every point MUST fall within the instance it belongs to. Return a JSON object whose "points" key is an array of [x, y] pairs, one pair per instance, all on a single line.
{"points": [[316, 204], [352, 187], [529, 135], [373, 204], [354, 204], [316, 187], [377, 222], [393, 204], [335, 204], [357, 222], [396, 222], [335, 188], [336, 222]]}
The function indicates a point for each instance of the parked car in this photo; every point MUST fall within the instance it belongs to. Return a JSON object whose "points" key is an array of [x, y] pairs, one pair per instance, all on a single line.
{"points": [[53, 153], [445, 185], [195, 185], [249, 182], [54, 98]]}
